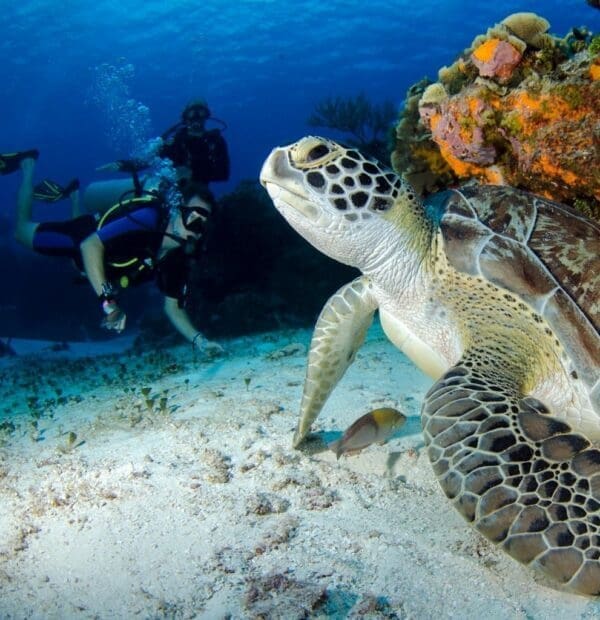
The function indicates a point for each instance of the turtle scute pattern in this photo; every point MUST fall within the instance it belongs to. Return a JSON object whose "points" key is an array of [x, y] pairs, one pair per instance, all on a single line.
{"points": [[566, 244], [521, 477]]}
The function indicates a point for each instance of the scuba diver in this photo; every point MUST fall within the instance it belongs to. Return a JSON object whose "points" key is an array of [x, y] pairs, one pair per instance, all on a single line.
{"points": [[198, 154], [191, 147], [137, 239]]}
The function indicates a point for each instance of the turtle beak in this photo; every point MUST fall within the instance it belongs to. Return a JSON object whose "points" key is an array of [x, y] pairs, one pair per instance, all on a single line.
{"points": [[276, 165], [285, 186]]}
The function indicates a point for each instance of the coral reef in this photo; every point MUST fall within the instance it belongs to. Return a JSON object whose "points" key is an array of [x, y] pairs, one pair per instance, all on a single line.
{"points": [[496, 58], [518, 107], [367, 125], [528, 27]]}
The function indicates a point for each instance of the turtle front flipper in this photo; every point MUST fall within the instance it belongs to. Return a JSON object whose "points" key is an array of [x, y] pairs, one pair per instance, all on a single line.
{"points": [[339, 333], [525, 480]]}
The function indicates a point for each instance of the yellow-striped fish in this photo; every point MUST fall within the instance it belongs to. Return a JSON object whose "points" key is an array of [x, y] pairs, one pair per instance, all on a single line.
{"points": [[377, 426]]}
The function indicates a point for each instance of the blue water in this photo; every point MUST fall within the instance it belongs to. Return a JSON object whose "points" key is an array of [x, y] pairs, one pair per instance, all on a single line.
{"points": [[85, 80], [262, 65]]}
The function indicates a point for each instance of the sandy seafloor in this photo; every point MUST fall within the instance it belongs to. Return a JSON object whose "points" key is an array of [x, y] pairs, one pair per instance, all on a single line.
{"points": [[198, 507]]}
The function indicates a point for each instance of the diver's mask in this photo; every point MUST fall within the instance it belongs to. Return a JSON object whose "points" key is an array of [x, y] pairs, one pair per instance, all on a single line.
{"points": [[194, 117]]}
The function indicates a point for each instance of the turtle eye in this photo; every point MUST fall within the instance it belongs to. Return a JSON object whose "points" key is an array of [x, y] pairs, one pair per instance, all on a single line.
{"points": [[317, 152]]}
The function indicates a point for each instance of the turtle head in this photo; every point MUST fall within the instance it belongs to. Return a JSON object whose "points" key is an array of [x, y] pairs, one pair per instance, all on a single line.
{"points": [[338, 200]]}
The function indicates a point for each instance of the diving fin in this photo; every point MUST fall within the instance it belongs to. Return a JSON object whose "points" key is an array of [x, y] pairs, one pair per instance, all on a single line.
{"points": [[50, 191], [10, 162]]}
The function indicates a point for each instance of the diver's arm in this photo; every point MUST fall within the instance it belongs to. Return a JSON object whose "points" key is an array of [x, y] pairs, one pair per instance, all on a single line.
{"points": [[181, 322], [180, 319], [92, 252]]}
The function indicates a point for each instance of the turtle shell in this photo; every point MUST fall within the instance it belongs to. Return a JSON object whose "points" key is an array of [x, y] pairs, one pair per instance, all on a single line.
{"points": [[541, 251]]}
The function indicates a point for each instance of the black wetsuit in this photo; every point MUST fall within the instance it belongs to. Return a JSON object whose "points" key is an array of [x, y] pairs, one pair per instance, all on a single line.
{"points": [[206, 155], [136, 235]]}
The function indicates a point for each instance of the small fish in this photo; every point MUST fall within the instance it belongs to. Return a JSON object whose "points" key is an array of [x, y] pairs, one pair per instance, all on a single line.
{"points": [[377, 426]]}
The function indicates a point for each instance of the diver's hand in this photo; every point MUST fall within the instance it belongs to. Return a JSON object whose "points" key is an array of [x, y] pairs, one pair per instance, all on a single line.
{"points": [[212, 349], [115, 321], [207, 348], [115, 317]]}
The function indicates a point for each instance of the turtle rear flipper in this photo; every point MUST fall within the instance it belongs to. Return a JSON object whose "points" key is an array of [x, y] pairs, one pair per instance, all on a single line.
{"points": [[339, 333], [524, 479]]}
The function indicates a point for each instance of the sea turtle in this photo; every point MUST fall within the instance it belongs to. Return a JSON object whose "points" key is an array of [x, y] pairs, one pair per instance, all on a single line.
{"points": [[495, 294]]}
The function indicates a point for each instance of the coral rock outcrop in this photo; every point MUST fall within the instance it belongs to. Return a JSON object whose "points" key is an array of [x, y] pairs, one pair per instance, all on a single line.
{"points": [[518, 107]]}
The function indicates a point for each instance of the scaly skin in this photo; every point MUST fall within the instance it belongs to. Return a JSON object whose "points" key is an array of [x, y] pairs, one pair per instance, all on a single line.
{"points": [[339, 333], [486, 292]]}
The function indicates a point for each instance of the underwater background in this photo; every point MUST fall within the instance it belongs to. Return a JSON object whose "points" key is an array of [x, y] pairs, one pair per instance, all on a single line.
{"points": [[139, 478], [89, 82]]}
